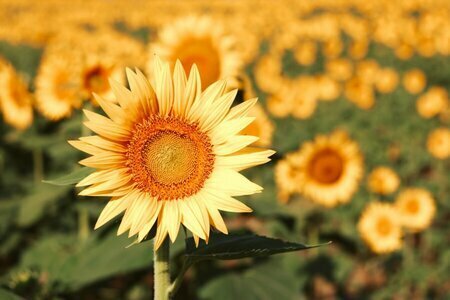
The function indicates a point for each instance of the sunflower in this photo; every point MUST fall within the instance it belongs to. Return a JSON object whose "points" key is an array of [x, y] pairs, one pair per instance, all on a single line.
{"points": [[340, 69], [285, 179], [438, 143], [360, 93], [386, 80], [262, 127], [329, 169], [58, 86], [433, 102], [203, 41], [95, 74], [380, 228], [416, 208], [306, 52], [15, 100], [383, 180], [169, 154], [414, 81]]}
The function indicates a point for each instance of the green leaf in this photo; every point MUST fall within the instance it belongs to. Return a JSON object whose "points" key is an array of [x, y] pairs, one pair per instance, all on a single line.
{"points": [[72, 264], [72, 178], [266, 281], [33, 206], [231, 246], [7, 295]]}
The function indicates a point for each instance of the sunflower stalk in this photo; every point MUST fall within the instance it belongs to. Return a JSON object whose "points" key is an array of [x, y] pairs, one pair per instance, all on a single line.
{"points": [[161, 267], [38, 165]]}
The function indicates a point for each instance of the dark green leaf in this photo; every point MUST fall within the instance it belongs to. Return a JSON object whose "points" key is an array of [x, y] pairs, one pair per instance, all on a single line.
{"points": [[33, 206], [6, 295], [231, 246], [72, 178], [267, 281]]}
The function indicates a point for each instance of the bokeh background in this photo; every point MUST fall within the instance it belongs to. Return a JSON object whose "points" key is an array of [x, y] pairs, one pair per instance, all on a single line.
{"points": [[353, 97]]}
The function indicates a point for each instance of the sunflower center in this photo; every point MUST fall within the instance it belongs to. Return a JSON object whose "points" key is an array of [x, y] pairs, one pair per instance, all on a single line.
{"points": [[383, 226], [96, 79], [204, 54], [169, 158], [412, 207], [326, 166]]}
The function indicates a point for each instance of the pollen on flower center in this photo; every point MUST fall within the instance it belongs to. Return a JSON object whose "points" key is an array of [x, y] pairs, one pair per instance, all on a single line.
{"points": [[169, 158], [326, 167]]}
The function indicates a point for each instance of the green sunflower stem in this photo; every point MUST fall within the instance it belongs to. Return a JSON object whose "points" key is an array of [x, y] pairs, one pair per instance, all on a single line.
{"points": [[161, 266]]}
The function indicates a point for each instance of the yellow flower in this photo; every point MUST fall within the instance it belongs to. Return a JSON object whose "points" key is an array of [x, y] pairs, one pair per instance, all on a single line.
{"points": [[170, 154], [380, 228], [262, 127], [433, 102], [360, 93], [438, 143], [358, 49], [332, 48], [416, 208], [58, 86], [328, 89], [383, 180], [340, 69], [203, 41], [95, 74], [305, 53], [15, 100], [386, 80], [367, 71], [285, 179], [404, 51], [414, 81], [329, 169]]}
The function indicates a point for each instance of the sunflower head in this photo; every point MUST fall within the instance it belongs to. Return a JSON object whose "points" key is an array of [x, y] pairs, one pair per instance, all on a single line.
{"points": [[328, 169], [383, 180], [379, 227], [169, 153], [438, 143], [416, 208], [15, 100], [201, 41]]}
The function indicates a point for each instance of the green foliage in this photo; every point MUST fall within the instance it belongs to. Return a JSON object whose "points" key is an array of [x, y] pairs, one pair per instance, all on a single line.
{"points": [[221, 246]]}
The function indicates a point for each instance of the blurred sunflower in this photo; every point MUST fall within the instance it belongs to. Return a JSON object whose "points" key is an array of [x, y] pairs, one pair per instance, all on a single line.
{"points": [[170, 154], [438, 143], [380, 228], [58, 86], [416, 208], [360, 93], [386, 80], [414, 81], [329, 169], [203, 41], [383, 180], [285, 178], [340, 69], [433, 102], [15, 100], [95, 74], [262, 127]]}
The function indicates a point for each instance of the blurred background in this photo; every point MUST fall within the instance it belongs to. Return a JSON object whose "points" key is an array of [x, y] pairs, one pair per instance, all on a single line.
{"points": [[353, 97]]}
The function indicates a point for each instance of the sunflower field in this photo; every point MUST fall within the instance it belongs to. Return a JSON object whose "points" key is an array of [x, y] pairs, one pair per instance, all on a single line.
{"points": [[292, 149]]}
